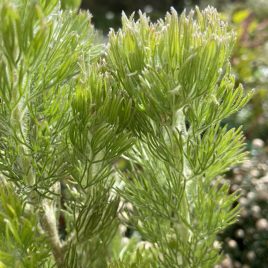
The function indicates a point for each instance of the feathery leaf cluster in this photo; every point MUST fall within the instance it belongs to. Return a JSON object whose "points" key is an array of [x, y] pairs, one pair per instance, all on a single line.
{"points": [[71, 108]]}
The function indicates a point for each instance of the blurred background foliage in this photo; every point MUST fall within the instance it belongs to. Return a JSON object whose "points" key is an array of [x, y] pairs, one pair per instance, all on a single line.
{"points": [[245, 244]]}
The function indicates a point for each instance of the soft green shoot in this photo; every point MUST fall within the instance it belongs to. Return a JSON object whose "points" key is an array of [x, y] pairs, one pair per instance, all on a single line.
{"points": [[71, 109]]}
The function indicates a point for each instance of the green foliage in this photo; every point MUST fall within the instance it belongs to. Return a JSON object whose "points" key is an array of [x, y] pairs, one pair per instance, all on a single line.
{"points": [[71, 109], [135, 254], [70, 4], [20, 238]]}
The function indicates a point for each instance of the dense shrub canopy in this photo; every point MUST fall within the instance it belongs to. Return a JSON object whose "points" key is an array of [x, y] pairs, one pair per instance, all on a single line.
{"points": [[71, 109]]}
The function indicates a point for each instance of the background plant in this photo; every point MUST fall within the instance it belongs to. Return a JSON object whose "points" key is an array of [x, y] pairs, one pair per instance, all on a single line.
{"points": [[245, 241], [250, 66]]}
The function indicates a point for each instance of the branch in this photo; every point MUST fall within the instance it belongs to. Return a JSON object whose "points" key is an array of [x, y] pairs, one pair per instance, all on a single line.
{"points": [[50, 226]]}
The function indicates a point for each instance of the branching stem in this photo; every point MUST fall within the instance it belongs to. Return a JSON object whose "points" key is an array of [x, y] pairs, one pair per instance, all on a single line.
{"points": [[50, 226]]}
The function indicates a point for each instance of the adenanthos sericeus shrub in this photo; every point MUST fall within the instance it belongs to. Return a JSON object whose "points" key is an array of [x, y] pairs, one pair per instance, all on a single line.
{"points": [[71, 108]]}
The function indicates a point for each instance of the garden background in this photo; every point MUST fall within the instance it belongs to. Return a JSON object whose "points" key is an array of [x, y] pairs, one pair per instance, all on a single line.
{"points": [[246, 242]]}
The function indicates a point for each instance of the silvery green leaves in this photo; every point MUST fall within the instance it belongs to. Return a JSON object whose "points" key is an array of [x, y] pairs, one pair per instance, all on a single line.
{"points": [[173, 63], [62, 127], [178, 74], [20, 238], [155, 96], [40, 52], [70, 4]]}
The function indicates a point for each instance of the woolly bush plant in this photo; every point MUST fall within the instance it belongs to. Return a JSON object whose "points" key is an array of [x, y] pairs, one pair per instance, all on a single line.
{"points": [[71, 109]]}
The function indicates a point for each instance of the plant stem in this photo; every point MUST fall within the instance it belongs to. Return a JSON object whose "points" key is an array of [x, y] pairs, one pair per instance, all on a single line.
{"points": [[50, 226]]}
